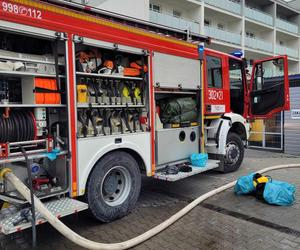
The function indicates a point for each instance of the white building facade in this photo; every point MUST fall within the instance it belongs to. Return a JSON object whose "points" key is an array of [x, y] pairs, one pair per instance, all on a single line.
{"points": [[260, 28]]}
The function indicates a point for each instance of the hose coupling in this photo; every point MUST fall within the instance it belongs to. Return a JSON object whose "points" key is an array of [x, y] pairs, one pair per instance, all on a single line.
{"points": [[4, 171]]}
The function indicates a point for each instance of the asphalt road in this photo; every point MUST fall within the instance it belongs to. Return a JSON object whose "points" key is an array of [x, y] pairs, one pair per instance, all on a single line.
{"points": [[225, 221]]}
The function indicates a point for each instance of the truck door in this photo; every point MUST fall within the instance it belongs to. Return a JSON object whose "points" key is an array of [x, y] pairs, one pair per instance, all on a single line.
{"points": [[216, 84], [269, 87]]}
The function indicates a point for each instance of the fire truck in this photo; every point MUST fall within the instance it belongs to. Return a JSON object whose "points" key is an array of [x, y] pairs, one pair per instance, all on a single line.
{"points": [[91, 101]]}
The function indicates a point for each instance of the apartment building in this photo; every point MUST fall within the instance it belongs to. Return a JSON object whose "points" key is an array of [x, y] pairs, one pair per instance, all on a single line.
{"points": [[260, 28]]}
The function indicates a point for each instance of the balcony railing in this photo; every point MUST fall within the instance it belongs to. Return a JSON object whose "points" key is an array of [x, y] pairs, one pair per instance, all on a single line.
{"points": [[258, 44], [226, 5], [288, 26], [259, 16], [174, 22], [282, 50], [222, 35]]}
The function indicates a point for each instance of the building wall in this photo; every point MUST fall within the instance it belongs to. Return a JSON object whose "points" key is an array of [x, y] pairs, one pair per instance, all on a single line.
{"points": [[259, 28], [134, 8], [229, 23]]}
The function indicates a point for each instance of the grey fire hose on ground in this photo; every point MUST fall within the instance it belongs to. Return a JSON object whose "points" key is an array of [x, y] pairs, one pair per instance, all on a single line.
{"points": [[83, 242]]}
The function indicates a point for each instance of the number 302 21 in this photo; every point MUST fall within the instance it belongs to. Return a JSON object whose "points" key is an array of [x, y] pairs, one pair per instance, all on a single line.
{"points": [[21, 10], [215, 95]]}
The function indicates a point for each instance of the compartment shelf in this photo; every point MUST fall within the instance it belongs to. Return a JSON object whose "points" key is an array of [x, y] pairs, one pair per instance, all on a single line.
{"points": [[22, 73], [175, 92], [32, 105], [30, 156], [28, 60], [108, 76], [113, 135], [109, 106]]}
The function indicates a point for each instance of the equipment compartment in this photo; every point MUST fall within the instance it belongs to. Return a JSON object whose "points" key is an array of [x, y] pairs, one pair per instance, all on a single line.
{"points": [[112, 91], [33, 113], [177, 125]]}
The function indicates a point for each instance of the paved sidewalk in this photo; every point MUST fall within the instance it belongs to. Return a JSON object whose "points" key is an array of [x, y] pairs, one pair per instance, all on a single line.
{"points": [[222, 222]]}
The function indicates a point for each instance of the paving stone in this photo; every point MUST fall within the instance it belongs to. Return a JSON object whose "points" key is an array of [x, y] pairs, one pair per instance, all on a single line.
{"points": [[202, 228]]}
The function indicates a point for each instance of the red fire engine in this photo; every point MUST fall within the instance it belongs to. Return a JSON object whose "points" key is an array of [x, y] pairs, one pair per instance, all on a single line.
{"points": [[91, 101]]}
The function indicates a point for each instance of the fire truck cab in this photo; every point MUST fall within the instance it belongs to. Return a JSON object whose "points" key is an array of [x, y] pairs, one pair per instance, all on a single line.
{"points": [[91, 101], [235, 95]]}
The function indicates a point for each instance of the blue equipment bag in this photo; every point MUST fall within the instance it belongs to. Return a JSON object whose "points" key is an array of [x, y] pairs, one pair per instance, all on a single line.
{"points": [[279, 193], [271, 191], [244, 185]]}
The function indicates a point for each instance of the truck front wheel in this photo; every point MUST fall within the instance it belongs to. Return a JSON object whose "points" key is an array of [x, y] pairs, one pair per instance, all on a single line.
{"points": [[234, 152], [114, 186]]}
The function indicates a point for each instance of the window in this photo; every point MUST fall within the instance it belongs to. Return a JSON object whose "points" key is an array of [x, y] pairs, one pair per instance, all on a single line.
{"points": [[176, 13], [154, 7], [268, 72], [220, 26], [236, 86], [214, 72], [206, 22]]}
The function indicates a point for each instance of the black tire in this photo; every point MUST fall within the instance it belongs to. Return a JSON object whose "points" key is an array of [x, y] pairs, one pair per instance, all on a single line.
{"points": [[106, 203], [234, 152]]}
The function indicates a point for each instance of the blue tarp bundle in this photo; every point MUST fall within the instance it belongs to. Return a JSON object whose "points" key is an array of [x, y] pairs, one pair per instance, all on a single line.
{"points": [[275, 192], [244, 185], [279, 193]]}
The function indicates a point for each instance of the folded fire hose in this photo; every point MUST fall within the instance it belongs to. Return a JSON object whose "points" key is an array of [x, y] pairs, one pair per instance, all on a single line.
{"points": [[83, 242]]}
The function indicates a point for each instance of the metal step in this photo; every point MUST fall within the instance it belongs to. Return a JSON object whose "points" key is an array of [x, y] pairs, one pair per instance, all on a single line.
{"points": [[60, 208], [211, 164], [211, 144], [210, 127]]}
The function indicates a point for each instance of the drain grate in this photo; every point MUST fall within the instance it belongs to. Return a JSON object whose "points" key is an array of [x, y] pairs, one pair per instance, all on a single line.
{"points": [[280, 228]]}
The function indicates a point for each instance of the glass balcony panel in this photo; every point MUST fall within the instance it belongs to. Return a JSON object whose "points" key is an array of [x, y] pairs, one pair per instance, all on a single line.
{"points": [[288, 26], [226, 5], [282, 50], [223, 35], [174, 22], [258, 44], [259, 16]]}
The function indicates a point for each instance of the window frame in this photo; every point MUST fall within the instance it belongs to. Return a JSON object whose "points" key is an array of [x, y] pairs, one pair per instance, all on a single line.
{"points": [[212, 84], [157, 5]]}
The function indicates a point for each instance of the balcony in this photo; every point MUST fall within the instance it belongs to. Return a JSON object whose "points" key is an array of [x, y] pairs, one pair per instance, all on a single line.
{"points": [[287, 26], [222, 35], [259, 16], [174, 22], [226, 5], [282, 50], [258, 44]]}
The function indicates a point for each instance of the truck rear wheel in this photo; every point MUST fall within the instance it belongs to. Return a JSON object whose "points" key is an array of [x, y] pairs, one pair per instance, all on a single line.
{"points": [[114, 186], [234, 152]]}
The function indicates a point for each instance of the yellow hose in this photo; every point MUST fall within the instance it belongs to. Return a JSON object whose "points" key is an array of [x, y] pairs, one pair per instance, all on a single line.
{"points": [[79, 240]]}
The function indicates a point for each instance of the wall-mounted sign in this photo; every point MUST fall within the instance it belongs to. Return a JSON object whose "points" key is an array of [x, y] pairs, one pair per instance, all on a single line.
{"points": [[295, 113]]}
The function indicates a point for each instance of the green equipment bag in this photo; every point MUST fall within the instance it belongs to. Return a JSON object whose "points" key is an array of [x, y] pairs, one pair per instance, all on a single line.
{"points": [[178, 110]]}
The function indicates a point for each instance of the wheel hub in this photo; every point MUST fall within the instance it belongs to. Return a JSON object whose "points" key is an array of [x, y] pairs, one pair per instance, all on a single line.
{"points": [[110, 183], [116, 186], [232, 153]]}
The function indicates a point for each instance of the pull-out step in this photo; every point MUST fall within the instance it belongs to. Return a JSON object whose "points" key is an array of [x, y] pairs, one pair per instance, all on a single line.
{"points": [[211, 164], [60, 208]]}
